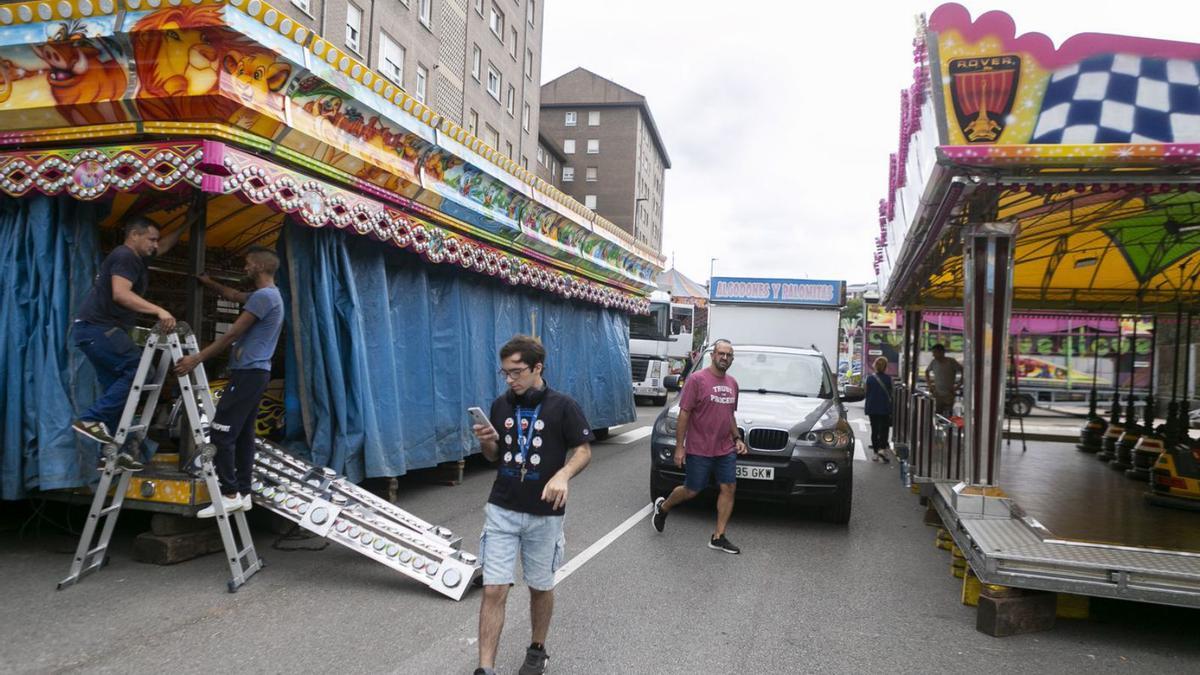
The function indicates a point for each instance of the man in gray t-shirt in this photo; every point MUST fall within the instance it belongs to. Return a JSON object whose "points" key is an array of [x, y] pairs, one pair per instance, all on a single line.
{"points": [[942, 379], [252, 337]]}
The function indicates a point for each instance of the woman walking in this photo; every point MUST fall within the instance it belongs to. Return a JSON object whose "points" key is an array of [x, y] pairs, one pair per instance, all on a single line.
{"points": [[879, 409]]}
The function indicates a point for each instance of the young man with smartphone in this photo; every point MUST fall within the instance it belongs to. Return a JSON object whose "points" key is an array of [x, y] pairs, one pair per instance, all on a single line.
{"points": [[541, 439]]}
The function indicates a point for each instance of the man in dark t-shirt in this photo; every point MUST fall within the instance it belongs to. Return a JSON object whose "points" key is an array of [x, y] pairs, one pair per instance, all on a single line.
{"points": [[101, 328], [541, 439]]}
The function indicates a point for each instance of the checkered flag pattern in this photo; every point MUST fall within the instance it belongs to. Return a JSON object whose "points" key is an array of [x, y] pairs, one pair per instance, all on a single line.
{"points": [[1118, 98]]}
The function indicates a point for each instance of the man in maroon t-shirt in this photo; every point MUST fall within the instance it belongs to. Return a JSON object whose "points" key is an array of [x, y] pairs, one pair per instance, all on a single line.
{"points": [[707, 433]]}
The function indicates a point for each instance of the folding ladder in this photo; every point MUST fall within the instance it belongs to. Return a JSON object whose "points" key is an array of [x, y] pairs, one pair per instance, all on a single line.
{"points": [[162, 351]]}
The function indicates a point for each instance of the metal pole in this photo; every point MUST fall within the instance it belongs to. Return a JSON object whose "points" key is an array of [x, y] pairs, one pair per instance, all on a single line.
{"points": [[196, 221], [987, 299]]}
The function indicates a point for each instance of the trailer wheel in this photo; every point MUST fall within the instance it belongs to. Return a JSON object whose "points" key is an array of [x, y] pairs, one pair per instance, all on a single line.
{"points": [[601, 433], [1019, 406]]}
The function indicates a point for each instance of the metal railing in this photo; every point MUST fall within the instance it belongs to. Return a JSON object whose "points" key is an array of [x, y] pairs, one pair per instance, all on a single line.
{"points": [[934, 443]]}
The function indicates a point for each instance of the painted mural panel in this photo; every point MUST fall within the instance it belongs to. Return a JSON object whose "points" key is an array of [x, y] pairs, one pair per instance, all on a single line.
{"points": [[998, 87], [214, 62]]}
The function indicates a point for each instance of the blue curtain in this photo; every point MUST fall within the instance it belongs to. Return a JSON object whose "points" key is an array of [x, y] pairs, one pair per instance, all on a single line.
{"points": [[48, 256], [385, 353]]}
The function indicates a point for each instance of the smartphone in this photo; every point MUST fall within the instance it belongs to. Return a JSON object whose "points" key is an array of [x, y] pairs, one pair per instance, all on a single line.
{"points": [[478, 416]]}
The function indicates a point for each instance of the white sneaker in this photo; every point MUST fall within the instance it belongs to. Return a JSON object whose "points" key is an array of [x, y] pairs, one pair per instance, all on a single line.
{"points": [[231, 504], [247, 503]]}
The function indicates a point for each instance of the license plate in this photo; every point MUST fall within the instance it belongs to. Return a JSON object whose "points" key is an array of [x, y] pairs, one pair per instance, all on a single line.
{"points": [[756, 472]]}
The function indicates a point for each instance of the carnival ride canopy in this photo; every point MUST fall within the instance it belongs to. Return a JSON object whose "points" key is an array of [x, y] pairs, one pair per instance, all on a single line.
{"points": [[1092, 149]]}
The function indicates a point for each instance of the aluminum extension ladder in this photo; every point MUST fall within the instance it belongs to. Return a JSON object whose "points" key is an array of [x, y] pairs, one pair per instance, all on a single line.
{"points": [[167, 349]]}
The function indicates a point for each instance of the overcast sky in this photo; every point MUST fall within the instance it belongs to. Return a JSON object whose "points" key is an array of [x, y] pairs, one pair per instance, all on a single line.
{"points": [[779, 115]]}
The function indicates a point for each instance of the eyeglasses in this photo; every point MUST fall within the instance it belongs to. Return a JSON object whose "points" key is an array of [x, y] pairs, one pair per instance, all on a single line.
{"points": [[514, 373]]}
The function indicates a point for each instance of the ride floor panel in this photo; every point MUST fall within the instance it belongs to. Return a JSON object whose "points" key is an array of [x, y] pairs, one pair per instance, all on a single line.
{"points": [[1079, 497]]}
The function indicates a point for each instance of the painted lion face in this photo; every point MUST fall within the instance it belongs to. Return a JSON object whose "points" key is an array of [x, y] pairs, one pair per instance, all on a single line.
{"points": [[256, 75]]}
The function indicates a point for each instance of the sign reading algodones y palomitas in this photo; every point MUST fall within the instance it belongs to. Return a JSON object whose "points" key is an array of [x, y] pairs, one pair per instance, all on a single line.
{"points": [[810, 292]]}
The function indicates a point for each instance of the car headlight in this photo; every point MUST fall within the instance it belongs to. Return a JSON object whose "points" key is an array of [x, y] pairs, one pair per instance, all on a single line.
{"points": [[831, 431], [666, 426]]}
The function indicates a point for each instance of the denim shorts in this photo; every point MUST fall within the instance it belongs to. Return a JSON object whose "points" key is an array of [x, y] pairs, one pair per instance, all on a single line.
{"points": [[539, 540], [698, 469]]}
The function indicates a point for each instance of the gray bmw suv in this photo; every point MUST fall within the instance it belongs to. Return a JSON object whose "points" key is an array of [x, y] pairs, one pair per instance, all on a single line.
{"points": [[801, 448]]}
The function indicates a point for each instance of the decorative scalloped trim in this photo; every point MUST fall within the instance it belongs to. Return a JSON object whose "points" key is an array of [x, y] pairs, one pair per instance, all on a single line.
{"points": [[999, 25], [93, 173]]}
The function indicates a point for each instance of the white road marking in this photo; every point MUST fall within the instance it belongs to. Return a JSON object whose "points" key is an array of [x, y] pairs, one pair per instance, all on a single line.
{"points": [[860, 454], [601, 544], [630, 436]]}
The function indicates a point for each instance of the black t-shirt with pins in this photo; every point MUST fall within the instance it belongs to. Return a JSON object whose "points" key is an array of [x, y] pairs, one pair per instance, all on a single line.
{"points": [[548, 434]]}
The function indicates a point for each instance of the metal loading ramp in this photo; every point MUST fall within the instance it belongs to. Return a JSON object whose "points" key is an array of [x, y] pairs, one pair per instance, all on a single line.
{"points": [[328, 505], [1005, 546]]}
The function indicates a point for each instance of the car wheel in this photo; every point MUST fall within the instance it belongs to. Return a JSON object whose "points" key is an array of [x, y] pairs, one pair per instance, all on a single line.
{"points": [[601, 433], [839, 511], [1020, 406]]}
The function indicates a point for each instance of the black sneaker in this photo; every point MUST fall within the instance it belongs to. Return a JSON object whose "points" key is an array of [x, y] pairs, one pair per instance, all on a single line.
{"points": [[722, 544], [484, 671], [535, 662], [127, 462], [93, 429], [658, 519]]}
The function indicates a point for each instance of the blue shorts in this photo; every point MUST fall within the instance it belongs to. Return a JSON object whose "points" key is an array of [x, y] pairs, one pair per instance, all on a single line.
{"points": [[539, 540], [699, 469]]}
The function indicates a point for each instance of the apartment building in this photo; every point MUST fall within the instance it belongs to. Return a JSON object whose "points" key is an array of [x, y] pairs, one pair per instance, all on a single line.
{"points": [[477, 62], [614, 160]]}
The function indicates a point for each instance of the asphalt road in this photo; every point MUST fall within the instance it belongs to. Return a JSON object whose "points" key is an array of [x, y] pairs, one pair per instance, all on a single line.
{"points": [[804, 596]]}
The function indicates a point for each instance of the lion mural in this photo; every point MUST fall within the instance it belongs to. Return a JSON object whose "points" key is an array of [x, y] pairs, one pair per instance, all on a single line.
{"points": [[178, 52]]}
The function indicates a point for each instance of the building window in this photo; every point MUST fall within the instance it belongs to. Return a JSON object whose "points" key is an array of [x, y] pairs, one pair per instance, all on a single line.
{"points": [[476, 62], [422, 79], [569, 146], [493, 137], [593, 118], [524, 162], [525, 117], [541, 156], [590, 174], [424, 12], [529, 64], [391, 59], [531, 12], [593, 146], [589, 201], [511, 103], [473, 123], [568, 174], [479, 7], [496, 22], [302, 4], [512, 45], [570, 119], [554, 168], [353, 26], [508, 149], [493, 85]]}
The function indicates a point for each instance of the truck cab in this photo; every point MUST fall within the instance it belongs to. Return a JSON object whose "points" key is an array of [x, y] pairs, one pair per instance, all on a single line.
{"points": [[659, 343]]}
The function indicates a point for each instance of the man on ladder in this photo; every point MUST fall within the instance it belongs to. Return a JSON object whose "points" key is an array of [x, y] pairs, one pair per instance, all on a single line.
{"points": [[101, 329], [253, 337]]}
